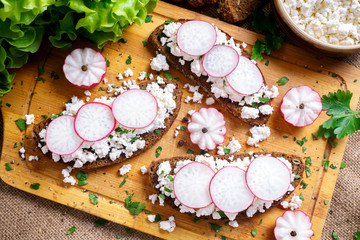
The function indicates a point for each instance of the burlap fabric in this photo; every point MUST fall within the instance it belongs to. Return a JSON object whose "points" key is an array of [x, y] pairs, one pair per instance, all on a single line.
{"points": [[25, 216]]}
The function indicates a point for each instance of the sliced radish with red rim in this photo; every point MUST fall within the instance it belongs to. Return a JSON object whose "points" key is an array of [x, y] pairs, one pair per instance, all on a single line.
{"points": [[228, 190], [94, 121], [196, 37], [60, 136], [268, 178], [220, 61], [247, 78], [301, 106], [191, 185], [84, 67], [135, 108]]}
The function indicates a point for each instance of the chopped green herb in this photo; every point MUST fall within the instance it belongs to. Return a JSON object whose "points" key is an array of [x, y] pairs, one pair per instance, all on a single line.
{"points": [[304, 149], [167, 49], [177, 79], [226, 151], [35, 186], [282, 81], [21, 124], [304, 184], [123, 40], [71, 230], [332, 166], [134, 208], [326, 202], [124, 181], [107, 62], [15, 145], [357, 235], [162, 196], [110, 136], [294, 139], [44, 116], [168, 75], [313, 136], [222, 214], [325, 164], [157, 218], [333, 75], [82, 176], [202, 152], [195, 220], [308, 161], [260, 221], [101, 89], [134, 139], [254, 104], [190, 151], [343, 165], [296, 176], [253, 232], [169, 21], [333, 144], [301, 197], [157, 131], [158, 151], [40, 70], [308, 171], [355, 80], [257, 50], [183, 128], [215, 227], [162, 172], [170, 178], [331, 211], [148, 18], [118, 236], [223, 238], [93, 198], [334, 235], [40, 79], [56, 77], [8, 167], [100, 222], [147, 212], [267, 63], [285, 136], [167, 190], [129, 230], [325, 156], [144, 43], [264, 99]]}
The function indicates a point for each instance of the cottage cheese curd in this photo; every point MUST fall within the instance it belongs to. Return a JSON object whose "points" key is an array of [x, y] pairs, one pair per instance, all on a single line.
{"points": [[216, 164], [123, 142], [259, 133], [331, 21], [159, 63], [168, 225], [219, 86], [125, 169]]}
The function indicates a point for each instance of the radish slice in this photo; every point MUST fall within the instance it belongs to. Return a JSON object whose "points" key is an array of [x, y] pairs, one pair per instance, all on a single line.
{"points": [[220, 61], [191, 185], [196, 37], [60, 136], [84, 67], [94, 122], [207, 128], [268, 178], [301, 106], [293, 225], [247, 78], [135, 108], [229, 192]]}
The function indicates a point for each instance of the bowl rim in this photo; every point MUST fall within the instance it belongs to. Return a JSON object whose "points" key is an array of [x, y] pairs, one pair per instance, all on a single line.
{"points": [[279, 5]]}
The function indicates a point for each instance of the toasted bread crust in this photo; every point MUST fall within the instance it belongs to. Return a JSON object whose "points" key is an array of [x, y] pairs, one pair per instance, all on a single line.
{"points": [[296, 169], [233, 107], [235, 10], [150, 138]]}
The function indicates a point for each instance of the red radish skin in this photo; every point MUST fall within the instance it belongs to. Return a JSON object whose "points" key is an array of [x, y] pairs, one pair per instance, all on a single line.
{"points": [[223, 118], [110, 131], [276, 235], [85, 86], [283, 115], [252, 92], [132, 127], [280, 195], [204, 52], [47, 136], [240, 210], [230, 71], [174, 187]]}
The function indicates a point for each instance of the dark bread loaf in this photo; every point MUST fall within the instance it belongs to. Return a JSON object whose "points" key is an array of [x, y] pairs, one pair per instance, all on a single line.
{"points": [[237, 10], [150, 138], [233, 107], [297, 168]]}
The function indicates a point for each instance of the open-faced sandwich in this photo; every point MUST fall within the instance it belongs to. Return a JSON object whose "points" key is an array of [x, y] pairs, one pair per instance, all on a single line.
{"points": [[218, 64], [226, 187], [110, 130]]}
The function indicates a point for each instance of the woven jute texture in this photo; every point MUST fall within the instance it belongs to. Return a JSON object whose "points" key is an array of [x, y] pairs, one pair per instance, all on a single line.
{"points": [[25, 216]]}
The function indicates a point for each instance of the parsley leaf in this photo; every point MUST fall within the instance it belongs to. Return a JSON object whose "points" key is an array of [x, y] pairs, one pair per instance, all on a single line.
{"points": [[148, 18], [71, 230], [124, 181], [308, 171], [82, 176], [195, 220], [35, 186], [343, 165], [100, 222], [8, 167], [168, 75], [215, 227], [144, 43], [189, 151], [343, 121], [253, 232], [93, 198], [301, 197], [357, 235], [325, 164], [264, 22], [334, 235], [158, 151], [134, 208], [21, 124], [257, 50], [157, 218], [272, 43], [282, 81], [226, 151]]}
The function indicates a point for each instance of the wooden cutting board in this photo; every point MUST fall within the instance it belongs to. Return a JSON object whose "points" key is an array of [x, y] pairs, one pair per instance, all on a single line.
{"points": [[32, 96]]}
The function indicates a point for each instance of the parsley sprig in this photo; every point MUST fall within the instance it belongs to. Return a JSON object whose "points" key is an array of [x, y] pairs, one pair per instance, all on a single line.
{"points": [[134, 208], [343, 121]]}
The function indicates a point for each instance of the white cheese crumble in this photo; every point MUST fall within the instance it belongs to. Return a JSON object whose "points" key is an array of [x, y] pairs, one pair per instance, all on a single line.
{"points": [[30, 118], [142, 76], [151, 218], [249, 112], [259, 133], [234, 224], [176, 133], [336, 22], [210, 101], [234, 146], [266, 109], [159, 63], [168, 225], [143, 170], [119, 76], [87, 93], [32, 157], [105, 80], [294, 203], [67, 178], [123, 141], [125, 169], [216, 164], [22, 152], [197, 97], [128, 73]]}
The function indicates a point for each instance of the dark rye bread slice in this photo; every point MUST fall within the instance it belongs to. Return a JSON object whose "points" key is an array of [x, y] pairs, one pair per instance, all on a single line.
{"points": [[150, 138], [297, 168], [199, 3], [237, 10], [233, 107]]}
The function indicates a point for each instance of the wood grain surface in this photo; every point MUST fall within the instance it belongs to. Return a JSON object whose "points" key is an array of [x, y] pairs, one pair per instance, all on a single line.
{"points": [[32, 96]]}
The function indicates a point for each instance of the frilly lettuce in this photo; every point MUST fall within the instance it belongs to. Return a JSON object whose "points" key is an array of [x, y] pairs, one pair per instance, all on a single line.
{"points": [[25, 23]]}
